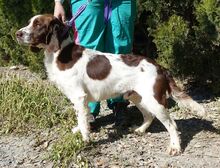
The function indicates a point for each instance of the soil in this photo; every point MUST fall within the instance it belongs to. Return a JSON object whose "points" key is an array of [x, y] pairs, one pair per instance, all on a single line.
{"points": [[116, 147]]}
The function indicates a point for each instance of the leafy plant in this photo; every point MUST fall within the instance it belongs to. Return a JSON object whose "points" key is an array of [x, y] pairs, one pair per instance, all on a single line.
{"points": [[169, 38]]}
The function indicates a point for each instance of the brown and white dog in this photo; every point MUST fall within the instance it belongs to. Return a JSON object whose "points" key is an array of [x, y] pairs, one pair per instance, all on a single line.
{"points": [[85, 75]]}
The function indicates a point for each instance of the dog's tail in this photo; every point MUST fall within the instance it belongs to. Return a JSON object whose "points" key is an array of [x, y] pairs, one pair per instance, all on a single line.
{"points": [[182, 98]]}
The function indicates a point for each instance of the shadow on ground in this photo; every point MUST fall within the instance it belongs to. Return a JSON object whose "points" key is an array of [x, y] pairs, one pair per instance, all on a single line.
{"points": [[187, 127]]}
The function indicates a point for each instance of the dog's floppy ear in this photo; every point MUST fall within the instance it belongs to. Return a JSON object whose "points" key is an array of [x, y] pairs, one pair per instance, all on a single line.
{"points": [[55, 25], [34, 49]]}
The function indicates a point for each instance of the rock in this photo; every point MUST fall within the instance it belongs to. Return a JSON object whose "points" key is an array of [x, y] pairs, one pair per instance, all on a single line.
{"points": [[14, 68]]}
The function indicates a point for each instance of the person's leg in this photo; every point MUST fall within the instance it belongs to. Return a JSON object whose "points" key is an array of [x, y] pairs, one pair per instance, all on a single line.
{"points": [[119, 39], [89, 32], [94, 108], [119, 108], [120, 28]]}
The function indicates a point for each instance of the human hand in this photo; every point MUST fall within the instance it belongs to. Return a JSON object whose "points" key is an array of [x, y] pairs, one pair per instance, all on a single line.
{"points": [[59, 11]]}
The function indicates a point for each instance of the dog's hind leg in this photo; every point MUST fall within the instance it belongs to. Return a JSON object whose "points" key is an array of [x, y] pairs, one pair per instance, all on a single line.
{"points": [[148, 118], [159, 111]]}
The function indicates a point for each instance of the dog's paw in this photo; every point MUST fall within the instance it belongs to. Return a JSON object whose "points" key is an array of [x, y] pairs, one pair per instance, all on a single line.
{"points": [[174, 151], [75, 130], [199, 110], [139, 131], [202, 113], [86, 140]]}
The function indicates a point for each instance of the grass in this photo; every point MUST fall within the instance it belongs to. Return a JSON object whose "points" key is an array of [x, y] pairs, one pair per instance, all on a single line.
{"points": [[63, 154], [27, 106]]}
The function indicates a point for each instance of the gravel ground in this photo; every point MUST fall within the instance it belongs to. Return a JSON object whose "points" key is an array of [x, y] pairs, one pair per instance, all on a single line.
{"points": [[123, 148], [114, 147], [23, 152]]}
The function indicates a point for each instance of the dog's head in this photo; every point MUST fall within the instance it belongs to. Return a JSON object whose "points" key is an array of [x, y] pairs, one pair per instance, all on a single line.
{"points": [[40, 31]]}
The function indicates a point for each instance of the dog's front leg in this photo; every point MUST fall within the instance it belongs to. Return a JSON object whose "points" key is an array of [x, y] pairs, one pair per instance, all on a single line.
{"points": [[81, 107]]}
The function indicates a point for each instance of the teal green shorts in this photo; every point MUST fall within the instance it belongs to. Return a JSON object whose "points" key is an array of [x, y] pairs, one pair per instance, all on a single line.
{"points": [[91, 31]]}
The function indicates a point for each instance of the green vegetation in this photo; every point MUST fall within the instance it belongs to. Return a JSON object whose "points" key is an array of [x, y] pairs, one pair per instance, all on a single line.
{"points": [[36, 105], [66, 150], [187, 37], [174, 32], [24, 104]]}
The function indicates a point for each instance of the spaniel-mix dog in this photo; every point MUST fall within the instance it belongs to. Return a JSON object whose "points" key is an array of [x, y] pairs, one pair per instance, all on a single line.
{"points": [[85, 75]]}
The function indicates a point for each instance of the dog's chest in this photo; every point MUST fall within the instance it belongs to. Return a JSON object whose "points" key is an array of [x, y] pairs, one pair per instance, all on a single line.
{"points": [[59, 77]]}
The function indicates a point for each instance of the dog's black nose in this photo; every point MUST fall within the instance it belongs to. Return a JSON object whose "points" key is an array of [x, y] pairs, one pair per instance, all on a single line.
{"points": [[19, 34]]}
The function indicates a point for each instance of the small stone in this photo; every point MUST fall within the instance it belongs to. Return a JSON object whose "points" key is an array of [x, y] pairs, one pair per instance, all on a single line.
{"points": [[100, 162], [46, 144], [20, 162], [149, 133], [14, 68]]}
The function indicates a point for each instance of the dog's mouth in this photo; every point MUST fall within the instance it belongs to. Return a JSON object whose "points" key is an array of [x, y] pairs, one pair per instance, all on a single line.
{"points": [[25, 41], [23, 38], [21, 41]]}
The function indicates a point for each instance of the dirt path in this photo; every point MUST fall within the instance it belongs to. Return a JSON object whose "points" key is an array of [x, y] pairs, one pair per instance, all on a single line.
{"points": [[200, 143], [116, 148], [23, 151]]}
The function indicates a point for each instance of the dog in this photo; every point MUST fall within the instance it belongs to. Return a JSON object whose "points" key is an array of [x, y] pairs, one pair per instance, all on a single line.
{"points": [[85, 75]]}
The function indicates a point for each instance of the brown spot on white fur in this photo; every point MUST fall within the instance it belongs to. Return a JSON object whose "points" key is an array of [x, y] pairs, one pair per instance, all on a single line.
{"points": [[68, 56], [99, 67], [132, 60], [133, 96], [160, 88]]}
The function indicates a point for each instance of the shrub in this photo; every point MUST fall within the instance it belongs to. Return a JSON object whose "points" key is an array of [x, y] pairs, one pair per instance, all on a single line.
{"points": [[186, 34], [169, 38], [208, 17]]}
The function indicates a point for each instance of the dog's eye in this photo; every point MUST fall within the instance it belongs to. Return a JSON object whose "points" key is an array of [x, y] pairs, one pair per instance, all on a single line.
{"points": [[37, 23]]}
